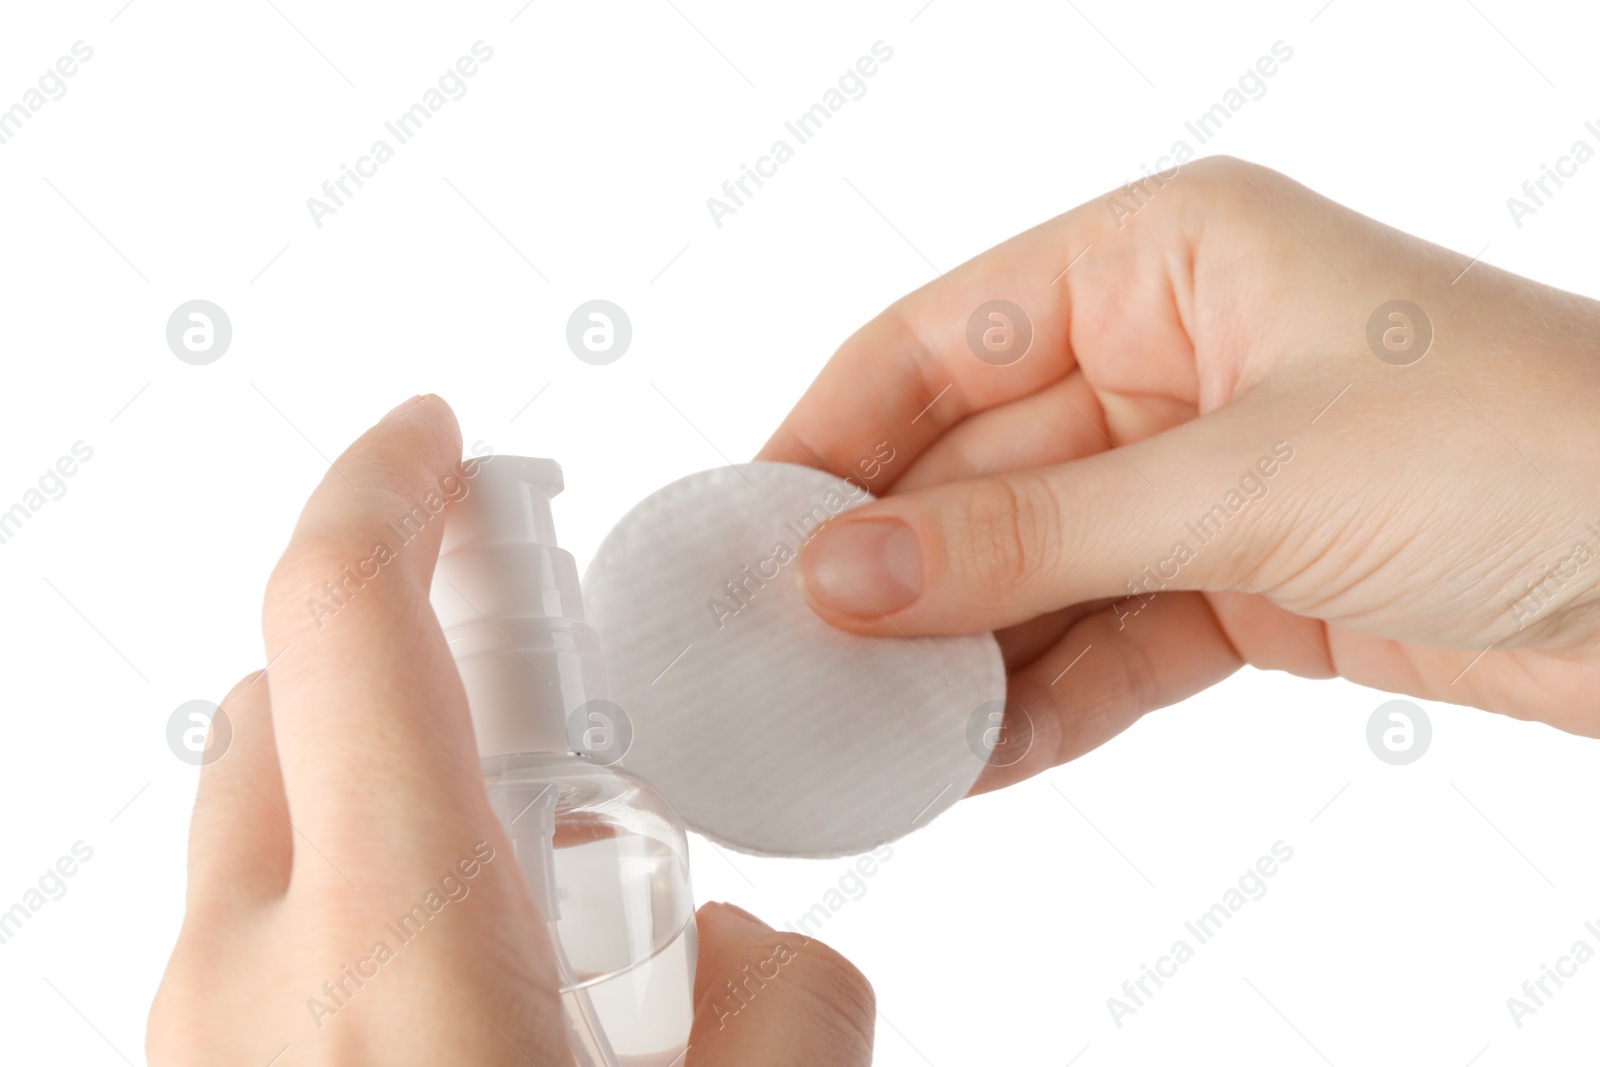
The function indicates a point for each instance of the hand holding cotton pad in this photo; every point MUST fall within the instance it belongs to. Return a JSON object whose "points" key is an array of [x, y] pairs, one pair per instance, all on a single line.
{"points": [[769, 730]]}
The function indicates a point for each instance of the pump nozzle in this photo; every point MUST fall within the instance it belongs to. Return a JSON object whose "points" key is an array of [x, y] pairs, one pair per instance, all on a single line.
{"points": [[510, 505], [508, 600]]}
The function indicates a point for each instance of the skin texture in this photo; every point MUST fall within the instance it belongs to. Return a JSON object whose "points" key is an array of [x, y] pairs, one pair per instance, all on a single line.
{"points": [[1227, 315], [359, 735]]}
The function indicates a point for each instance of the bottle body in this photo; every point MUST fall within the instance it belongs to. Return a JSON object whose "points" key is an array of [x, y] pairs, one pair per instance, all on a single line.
{"points": [[602, 852], [607, 860]]}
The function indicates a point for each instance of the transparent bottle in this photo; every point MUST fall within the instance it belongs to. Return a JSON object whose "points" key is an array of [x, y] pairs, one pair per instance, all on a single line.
{"points": [[604, 854]]}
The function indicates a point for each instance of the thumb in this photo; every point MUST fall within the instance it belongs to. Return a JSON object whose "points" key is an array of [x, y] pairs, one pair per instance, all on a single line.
{"points": [[777, 999], [1188, 508]]}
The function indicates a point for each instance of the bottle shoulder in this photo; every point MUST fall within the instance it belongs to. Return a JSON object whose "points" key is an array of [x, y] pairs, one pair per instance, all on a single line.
{"points": [[582, 784], [548, 767]]}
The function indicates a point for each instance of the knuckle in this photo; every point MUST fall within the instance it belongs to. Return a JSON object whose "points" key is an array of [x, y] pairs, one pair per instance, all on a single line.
{"points": [[1009, 529], [327, 568], [842, 996], [1220, 168], [1228, 176], [300, 574], [311, 557], [792, 982], [1229, 187], [1135, 691], [243, 690]]}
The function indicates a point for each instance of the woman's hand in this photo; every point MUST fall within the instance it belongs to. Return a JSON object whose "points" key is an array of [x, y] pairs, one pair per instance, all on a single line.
{"points": [[1222, 447], [351, 793]]}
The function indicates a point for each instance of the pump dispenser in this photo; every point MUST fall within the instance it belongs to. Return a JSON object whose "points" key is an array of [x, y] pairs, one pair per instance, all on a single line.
{"points": [[604, 853]]}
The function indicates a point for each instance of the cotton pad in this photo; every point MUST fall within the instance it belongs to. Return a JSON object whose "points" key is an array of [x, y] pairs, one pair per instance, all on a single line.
{"points": [[769, 730]]}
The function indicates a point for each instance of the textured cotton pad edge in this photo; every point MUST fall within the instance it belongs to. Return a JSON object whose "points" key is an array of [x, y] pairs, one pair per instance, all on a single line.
{"points": [[770, 731]]}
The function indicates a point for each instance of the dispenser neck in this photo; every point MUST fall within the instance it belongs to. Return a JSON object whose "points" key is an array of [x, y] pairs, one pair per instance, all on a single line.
{"points": [[508, 599]]}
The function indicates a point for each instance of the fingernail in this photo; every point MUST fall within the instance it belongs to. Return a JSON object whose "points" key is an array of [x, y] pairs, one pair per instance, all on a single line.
{"points": [[745, 915], [404, 405], [868, 567]]}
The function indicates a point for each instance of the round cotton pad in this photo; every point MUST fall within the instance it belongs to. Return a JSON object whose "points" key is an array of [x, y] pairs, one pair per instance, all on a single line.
{"points": [[771, 731]]}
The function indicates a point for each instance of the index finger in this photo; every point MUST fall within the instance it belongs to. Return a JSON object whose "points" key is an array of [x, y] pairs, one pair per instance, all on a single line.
{"points": [[371, 724], [911, 374]]}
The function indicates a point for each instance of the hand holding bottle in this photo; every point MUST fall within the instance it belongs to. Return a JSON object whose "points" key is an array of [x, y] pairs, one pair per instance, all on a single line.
{"points": [[352, 898]]}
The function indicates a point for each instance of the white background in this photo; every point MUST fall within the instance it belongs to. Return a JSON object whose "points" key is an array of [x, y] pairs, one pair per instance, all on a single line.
{"points": [[177, 166]]}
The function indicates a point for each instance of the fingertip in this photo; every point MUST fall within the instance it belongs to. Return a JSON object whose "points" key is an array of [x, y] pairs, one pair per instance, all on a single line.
{"points": [[403, 452], [404, 406], [726, 912], [775, 997], [425, 413]]}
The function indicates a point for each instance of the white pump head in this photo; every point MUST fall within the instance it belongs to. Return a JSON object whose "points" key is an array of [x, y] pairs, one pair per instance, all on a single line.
{"points": [[509, 603]]}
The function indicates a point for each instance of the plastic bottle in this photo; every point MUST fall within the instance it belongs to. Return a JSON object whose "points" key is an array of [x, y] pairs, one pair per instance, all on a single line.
{"points": [[604, 854]]}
